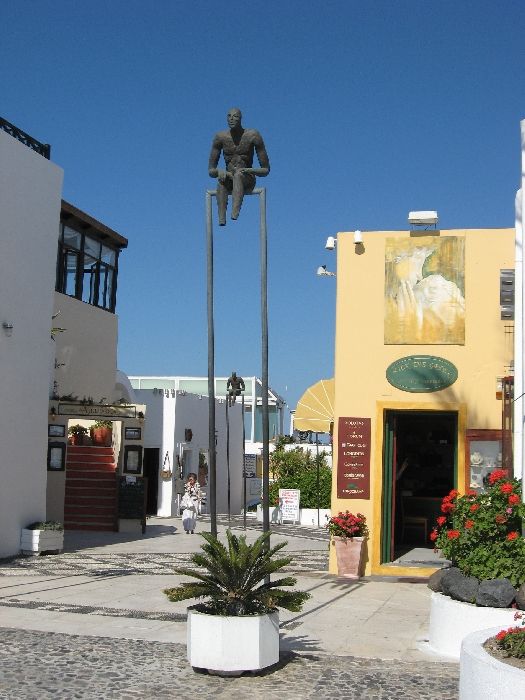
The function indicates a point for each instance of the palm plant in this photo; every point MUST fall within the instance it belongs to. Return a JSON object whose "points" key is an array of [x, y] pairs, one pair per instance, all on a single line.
{"points": [[236, 580]]}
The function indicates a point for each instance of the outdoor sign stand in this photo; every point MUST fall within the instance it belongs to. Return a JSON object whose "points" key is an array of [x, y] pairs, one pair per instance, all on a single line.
{"points": [[261, 193]]}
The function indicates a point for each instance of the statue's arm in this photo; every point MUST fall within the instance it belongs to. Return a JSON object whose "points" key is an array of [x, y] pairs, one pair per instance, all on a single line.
{"points": [[262, 156], [215, 154]]}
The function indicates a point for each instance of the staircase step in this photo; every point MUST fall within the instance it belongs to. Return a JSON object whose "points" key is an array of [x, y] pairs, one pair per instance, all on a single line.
{"points": [[90, 466], [89, 450], [90, 491], [91, 459], [102, 475]]}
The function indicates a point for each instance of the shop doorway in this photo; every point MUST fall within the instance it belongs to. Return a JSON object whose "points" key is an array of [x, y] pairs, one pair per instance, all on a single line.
{"points": [[419, 468], [151, 472]]}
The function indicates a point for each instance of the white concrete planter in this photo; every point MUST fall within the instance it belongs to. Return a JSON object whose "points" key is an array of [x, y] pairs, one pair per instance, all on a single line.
{"points": [[483, 676], [451, 621], [231, 645], [38, 541]]}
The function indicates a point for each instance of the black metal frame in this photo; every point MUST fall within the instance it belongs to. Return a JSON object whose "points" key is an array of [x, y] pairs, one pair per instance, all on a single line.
{"points": [[43, 149]]}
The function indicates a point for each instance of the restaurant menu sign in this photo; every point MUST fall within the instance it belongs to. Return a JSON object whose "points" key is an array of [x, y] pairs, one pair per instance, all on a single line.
{"points": [[353, 458], [289, 500]]}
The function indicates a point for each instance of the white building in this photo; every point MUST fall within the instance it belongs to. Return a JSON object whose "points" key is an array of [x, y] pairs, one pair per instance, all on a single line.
{"points": [[176, 443]]}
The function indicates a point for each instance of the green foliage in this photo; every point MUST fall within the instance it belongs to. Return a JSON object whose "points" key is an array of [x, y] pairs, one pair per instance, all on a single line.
{"points": [[233, 578], [103, 424], [512, 640], [296, 469], [45, 525], [77, 430], [481, 533]]}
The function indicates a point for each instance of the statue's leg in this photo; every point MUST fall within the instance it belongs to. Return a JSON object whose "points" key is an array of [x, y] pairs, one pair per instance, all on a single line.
{"points": [[237, 194], [222, 202]]}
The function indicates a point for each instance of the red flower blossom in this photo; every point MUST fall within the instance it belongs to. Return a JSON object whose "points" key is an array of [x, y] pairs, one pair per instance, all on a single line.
{"points": [[447, 507], [514, 499], [433, 535], [501, 635], [500, 519], [453, 534], [441, 520], [469, 524], [497, 475], [512, 536], [506, 488], [474, 507], [453, 493]]}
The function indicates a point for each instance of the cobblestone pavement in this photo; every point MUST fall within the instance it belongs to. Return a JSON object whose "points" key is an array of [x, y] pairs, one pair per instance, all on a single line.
{"points": [[51, 666]]}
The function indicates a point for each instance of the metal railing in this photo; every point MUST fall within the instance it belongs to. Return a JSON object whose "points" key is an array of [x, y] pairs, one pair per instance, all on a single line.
{"points": [[44, 149]]}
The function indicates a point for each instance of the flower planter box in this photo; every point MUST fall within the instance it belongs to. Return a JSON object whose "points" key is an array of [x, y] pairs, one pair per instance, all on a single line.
{"points": [[451, 621], [349, 553], [39, 541], [483, 676], [231, 645]]}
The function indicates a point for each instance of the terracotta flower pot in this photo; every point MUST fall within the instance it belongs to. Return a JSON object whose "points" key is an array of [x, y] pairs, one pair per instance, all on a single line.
{"points": [[349, 553], [101, 436]]}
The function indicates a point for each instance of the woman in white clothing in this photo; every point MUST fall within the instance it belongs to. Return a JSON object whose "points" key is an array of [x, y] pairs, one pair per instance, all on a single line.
{"points": [[191, 503]]}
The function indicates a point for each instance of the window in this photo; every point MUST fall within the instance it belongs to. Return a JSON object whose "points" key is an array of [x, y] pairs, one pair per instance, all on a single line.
{"points": [[86, 268]]}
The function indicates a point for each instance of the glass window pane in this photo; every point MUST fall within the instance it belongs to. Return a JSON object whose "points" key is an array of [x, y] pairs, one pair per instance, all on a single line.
{"points": [[72, 238], [157, 383], [105, 285], [92, 248], [108, 256], [70, 272], [194, 386], [89, 279]]}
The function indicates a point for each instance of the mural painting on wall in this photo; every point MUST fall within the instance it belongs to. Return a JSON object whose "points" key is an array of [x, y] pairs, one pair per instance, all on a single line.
{"points": [[425, 291]]}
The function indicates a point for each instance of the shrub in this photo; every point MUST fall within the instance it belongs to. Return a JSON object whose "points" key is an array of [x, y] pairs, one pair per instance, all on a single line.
{"points": [[481, 533], [512, 640], [296, 469], [46, 525], [234, 575]]}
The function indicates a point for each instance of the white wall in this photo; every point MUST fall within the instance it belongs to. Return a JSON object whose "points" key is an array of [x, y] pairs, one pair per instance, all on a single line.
{"points": [[167, 418], [30, 199], [87, 350]]}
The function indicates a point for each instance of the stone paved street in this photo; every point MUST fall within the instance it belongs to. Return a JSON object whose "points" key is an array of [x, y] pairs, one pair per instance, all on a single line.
{"points": [[49, 666], [93, 623]]}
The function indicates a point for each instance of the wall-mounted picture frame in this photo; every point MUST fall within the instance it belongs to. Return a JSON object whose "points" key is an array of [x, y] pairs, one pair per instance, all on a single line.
{"points": [[132, 433], [56, 457], [132, 459], [56, 430]]}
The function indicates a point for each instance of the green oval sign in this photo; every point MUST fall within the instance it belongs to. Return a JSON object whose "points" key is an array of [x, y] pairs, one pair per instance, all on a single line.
{"points": [[421, 373]]}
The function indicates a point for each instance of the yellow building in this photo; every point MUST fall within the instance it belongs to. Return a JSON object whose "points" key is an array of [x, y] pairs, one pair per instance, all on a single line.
{"points": [[421, 342]]}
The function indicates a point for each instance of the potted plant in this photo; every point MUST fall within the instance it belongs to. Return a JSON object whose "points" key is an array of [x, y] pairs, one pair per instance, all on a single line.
{"points": [[348, 533], [236, 628], [102, 432], [42, 537], [480, 533], [78, 434], [492, 662]]}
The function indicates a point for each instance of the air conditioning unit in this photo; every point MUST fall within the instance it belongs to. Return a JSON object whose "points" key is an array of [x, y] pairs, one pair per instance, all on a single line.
{"points": [[423, 218]]}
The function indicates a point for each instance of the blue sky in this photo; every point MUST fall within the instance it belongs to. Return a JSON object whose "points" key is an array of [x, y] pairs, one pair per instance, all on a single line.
{"points": [[368, 110]]}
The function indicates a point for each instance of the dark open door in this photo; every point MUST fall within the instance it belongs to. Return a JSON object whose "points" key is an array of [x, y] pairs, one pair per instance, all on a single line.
{"points": [[389, 486], [151, 471]]}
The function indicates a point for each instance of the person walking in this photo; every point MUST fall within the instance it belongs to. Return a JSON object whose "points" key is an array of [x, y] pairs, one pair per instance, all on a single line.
{"points": [[191, 503]]}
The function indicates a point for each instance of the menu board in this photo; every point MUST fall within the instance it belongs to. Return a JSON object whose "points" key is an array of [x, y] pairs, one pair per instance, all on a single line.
{"points": [[353, 458]]}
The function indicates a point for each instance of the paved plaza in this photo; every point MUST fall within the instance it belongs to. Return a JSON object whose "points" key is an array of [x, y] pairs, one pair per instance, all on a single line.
{"points": [[93, 623]]}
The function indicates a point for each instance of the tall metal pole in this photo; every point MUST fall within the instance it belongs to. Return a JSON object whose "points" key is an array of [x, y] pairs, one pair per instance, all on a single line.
{"points": [[228, 458], [264, 358], [243, 464], [212, 488], [317, 463]]}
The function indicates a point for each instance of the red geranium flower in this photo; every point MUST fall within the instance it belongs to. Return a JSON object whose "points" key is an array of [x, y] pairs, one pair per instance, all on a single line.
{"points": [[447, 507], [453, 534], [514, 499], [441, 520], [512, 536], [506, 488], [501, 635], [453, 493], [497, 475], [474, 507], [469, 524]]}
